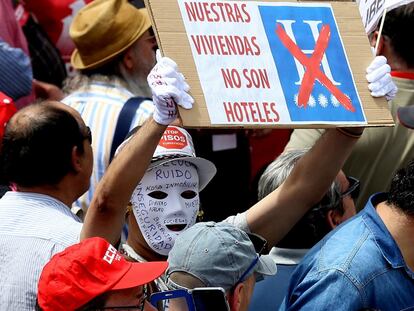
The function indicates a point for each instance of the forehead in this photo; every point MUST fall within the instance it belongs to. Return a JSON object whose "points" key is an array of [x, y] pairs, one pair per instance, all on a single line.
{"points": [[173, 170]]}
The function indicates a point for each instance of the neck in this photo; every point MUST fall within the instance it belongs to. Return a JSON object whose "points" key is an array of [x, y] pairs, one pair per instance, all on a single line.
{"points": [[138, 243], [401, 227], [52, 191], [396, 63], [401, 67]]}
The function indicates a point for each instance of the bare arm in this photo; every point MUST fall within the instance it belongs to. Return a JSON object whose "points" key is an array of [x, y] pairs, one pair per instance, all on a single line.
{"points": [[106, 215], [275, 215]]}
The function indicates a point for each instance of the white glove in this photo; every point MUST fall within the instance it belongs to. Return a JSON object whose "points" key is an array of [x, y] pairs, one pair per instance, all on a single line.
{"points": [[168, 88], [379, 78]]}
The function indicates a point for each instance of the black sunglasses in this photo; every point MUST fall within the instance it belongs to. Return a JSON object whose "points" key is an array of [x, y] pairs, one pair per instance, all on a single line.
{"points": [[353, 189], [139, 307]]}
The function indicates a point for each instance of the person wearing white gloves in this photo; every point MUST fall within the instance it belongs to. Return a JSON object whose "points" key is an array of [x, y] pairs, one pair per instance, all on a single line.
{"points": [[377, 153], [168, 88], [271, 218], [379, 79], [52, 172], [106, 214]]}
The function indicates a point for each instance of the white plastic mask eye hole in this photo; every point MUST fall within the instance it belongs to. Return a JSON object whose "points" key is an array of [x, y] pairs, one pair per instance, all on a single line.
{"points": [[188, 194], [160, 195]]}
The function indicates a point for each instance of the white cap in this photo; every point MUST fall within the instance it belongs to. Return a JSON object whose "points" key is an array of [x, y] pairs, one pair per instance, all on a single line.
{"points": [[176, 143]]}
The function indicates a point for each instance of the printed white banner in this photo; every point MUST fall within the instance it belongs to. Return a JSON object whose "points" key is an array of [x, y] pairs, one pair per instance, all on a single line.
{"points": [[261, 63]]}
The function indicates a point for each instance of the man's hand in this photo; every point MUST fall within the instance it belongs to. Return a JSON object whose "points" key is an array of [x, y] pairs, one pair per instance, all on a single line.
{"points": [[168, 88], [379, 78]]}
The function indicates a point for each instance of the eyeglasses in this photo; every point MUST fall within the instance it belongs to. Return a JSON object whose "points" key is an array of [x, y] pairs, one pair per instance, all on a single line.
{"points": [[260, 246], [139, 307], [353, 189]]}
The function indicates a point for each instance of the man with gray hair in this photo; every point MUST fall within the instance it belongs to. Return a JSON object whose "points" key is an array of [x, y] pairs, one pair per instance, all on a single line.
{"points": [[115, 51], [335, 207]]}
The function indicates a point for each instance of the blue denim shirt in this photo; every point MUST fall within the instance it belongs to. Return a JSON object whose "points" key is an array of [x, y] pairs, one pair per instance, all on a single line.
{"points": [[356, 266]]}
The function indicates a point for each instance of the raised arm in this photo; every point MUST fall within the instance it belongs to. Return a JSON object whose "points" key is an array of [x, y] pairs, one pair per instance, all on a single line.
{"points": [[275, 215], [106, 215]]}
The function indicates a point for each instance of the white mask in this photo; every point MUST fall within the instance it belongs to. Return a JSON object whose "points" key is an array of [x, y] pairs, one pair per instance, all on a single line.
{"points": [[165, 202]]}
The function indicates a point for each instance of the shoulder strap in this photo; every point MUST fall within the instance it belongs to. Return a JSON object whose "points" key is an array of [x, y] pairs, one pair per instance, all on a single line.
{"points": [[123, 124]]}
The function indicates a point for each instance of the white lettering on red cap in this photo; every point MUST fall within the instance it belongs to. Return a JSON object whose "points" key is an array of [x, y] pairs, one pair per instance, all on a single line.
{"points": [[110, 254], [173, 139]]}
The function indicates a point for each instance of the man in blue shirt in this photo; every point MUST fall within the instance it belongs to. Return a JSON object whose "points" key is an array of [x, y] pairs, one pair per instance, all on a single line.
{"points": [[366, 263], [336, 206]]}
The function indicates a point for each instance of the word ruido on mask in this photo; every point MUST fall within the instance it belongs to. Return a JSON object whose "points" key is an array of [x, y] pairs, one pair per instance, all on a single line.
{"points": [[172, 173]]}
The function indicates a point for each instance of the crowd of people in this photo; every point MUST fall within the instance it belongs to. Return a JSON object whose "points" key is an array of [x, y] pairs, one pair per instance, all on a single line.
{"points": [[102, 188]]}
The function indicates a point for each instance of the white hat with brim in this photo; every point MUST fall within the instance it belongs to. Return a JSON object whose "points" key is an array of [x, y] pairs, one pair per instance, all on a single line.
{"points": [[176, 144]]}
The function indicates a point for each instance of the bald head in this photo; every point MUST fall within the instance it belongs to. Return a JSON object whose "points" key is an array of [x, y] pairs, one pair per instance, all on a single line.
{"points": [[39, 112], [38, 142]]}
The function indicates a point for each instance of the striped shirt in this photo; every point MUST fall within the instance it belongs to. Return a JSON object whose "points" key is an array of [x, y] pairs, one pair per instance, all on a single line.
{"points": [[33, 227], [99, 106]]}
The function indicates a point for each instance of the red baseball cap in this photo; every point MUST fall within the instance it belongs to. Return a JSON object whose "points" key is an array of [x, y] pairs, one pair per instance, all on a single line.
{"points": [[88, 269], [7, 110]]}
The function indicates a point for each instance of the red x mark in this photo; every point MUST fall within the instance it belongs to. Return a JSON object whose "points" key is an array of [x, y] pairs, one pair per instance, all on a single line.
{"points": [[312, 69]]}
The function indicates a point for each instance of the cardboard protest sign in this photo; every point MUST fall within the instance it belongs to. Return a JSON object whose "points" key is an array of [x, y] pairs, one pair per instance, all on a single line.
{"points": [[270, 64]]}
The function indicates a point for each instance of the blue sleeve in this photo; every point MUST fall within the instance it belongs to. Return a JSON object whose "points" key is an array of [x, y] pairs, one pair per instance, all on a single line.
{"points": [[327, 290], [15, 71]]}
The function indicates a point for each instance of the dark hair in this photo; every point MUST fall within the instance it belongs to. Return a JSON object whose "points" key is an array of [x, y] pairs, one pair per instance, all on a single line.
{"points": [[401, 193], [37, 145], [398, 27], [96, 303]]}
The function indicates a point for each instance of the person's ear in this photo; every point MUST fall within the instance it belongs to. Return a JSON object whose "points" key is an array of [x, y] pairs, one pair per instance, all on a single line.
{"points": [[334, 218], [373, 41], [76, 159], [128, 59], [235, 299], [373, 38]]}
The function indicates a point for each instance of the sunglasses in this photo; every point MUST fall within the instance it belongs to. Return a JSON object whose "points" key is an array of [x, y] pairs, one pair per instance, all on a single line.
{"points": [[260, 246], [353, 189], [139, 307]]}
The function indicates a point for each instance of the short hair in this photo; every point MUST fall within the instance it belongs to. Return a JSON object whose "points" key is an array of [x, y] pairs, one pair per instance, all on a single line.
{"points": [[313, 226], [37, 145], [398, 26], [401, 193]]}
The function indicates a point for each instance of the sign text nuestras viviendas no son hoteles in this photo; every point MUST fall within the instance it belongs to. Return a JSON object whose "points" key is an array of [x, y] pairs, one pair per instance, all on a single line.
{"points": [[268, 64]]}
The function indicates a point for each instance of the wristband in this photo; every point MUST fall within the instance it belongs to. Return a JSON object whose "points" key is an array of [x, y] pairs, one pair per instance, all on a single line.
{"points": [[348, 133]]}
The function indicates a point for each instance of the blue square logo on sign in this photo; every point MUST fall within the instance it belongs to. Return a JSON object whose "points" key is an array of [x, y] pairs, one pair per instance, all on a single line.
{"points": [[311, 62]]}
